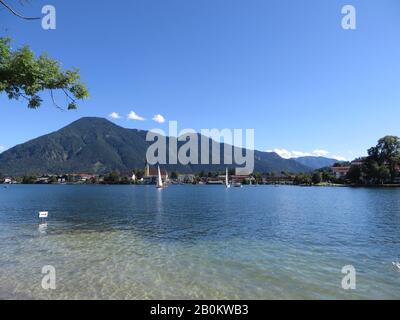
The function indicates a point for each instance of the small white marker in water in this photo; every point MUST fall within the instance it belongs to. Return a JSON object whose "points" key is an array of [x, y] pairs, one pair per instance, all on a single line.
{"points": [[43, 215]]}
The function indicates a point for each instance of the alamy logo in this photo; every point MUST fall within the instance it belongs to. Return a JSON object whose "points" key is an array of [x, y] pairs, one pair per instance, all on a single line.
{"points": [[349, 280], [49, 280], [49, 21], [195, 149], [349, 21]]}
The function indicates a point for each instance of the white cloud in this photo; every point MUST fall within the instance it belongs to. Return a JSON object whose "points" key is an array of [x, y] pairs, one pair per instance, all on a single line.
{"points": [[159, 118], [114, 115], [286, 154], [298, 154], [282, 152], [135, 117], [321, 153], [340, 158], [2, 148]]}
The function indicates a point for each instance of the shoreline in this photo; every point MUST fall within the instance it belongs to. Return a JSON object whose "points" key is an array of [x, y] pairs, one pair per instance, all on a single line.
{"points": [[327, 185]]}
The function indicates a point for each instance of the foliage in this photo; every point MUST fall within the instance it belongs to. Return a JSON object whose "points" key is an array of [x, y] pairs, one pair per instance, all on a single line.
{"points": [[382, 164], [327, 177], [341, 164], [139, 174], [258, 177], [125, 180], [53, 179], [29, 179], [202, 174], [112, 178], [303, 179], [384, 159], [22, 75], [316, 178], [354, 175]]}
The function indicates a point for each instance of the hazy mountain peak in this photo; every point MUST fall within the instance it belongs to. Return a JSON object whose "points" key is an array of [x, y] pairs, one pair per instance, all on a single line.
{"points": [[316, 162]]}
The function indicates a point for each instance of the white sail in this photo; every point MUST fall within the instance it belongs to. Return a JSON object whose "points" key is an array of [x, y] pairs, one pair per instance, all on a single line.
{"points": [[227, 179], [159, 179]]}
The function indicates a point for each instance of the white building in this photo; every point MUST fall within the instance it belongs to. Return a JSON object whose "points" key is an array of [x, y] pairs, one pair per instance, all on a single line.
{"points": [[186, 178], [340, 172]]}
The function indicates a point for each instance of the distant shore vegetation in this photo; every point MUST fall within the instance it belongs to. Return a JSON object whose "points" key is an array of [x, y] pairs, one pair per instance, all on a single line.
{"points": [[380, 168]]}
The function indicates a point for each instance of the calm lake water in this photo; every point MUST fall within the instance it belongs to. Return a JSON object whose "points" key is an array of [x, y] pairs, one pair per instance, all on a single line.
{"points": [[199, 242]]}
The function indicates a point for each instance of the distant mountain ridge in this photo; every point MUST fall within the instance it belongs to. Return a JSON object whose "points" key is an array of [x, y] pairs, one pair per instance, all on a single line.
{"points": [[96, 145], [316, 162]]}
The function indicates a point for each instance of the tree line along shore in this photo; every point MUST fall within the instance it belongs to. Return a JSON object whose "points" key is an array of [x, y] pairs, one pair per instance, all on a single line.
{"points": [[380, 168]]}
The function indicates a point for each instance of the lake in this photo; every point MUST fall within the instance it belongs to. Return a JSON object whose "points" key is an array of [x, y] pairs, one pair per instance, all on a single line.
{"points": [[199, 242]]}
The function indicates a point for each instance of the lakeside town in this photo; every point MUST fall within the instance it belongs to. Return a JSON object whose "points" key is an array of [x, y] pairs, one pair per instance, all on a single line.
{"points": [[341, 174], [380, 168]]}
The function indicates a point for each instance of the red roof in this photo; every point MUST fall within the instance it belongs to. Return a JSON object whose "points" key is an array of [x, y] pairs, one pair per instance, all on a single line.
{"points": [[154, 172]]}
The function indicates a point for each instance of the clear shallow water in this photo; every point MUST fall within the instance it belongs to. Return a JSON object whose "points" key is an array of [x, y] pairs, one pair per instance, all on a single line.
{"points": [[199, 242]]}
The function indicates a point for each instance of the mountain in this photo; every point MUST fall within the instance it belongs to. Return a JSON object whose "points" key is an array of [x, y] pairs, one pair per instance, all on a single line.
{"points": [[96, 145], [316, 162]]}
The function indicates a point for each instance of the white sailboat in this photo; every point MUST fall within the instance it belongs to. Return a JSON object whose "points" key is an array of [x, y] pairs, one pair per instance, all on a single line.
{"points": [[166, 181], [227, 185], [160, 184]]}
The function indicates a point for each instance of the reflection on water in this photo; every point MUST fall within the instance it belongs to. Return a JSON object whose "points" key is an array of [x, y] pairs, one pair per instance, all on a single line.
{"points": [[159, 203], [43, 228], [195, 242]]}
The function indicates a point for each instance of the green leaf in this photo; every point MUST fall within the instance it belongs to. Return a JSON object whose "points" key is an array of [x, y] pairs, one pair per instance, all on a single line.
{"points": [[24, 75]]}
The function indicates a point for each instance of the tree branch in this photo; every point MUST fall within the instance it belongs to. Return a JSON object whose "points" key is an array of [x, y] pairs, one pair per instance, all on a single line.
{"points": [[68, 96], [16, 13], [54, 101]]}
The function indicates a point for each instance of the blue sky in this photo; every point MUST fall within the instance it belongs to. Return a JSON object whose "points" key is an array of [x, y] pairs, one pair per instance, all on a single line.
{"points": [[285, 68]]}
